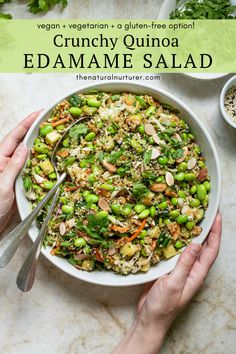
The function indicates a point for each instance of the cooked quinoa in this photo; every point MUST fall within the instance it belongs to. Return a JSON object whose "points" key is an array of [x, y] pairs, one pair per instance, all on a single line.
{"points": [[137, 185]]}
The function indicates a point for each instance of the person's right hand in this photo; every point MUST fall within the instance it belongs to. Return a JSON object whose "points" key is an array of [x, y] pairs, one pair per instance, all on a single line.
{"points": [[163, 300], [13, 154]]}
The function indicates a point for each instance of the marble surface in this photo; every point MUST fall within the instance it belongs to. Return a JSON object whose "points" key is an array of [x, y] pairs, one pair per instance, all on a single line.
{"points": [[64, 315]]}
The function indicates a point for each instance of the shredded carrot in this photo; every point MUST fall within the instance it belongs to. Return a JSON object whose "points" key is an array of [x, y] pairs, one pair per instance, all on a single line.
{"points": [[61, 121], [137, 232], [69, 189]]}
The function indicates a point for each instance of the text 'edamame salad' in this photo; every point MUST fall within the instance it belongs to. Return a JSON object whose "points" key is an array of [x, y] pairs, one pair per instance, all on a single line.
{"points": [[137, 185]]}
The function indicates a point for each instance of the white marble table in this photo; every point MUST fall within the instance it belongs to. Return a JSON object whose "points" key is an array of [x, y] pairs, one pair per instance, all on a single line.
{"points": [[64, 315]]}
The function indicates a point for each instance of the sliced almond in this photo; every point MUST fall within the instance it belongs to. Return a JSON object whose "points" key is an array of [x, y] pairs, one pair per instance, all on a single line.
{"points": [[181, 159], [149, 129], [169, 179], [158, 187], [70, 223], [62, 229], [177, 137], [38, 178], [192, 163], [155, 154], [103, 204], [110, 168], [156, 139]]}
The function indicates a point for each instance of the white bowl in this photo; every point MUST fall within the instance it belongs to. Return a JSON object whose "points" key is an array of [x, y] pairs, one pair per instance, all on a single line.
{"points": [[109, 278], [231, 82], [167, 7]]}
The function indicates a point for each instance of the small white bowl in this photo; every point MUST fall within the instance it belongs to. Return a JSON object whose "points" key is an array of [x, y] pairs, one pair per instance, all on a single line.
{"points": [[202, 137], [230, 83]]}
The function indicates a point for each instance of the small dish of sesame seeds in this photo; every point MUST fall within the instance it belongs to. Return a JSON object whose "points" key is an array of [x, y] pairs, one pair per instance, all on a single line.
{"points": [[228, 101]]}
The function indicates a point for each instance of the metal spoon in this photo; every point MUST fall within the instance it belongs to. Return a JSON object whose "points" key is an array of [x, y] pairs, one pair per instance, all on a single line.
{"points": [[11, 242]]}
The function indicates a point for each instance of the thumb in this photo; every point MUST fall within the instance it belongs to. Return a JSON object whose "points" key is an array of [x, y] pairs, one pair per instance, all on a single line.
{"points": [[13, 167], [185, 264]]}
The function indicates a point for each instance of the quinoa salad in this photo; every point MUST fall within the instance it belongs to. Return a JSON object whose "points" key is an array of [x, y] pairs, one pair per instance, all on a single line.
{"points": [[137, 186]]}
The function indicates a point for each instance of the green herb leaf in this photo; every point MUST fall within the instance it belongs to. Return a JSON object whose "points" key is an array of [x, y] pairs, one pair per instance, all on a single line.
{"points": [[140, 190], [147, 157]]}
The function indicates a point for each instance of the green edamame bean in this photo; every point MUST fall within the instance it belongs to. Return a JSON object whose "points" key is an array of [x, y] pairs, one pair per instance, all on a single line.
{"points": [[139, 208], [83, 163], [194, 203], [182, 167], [182, 219], [207, 185], [91, 179], [116, 209], [126, 210], [163, 205], [92, 206], [167, 221], [79, 242], [63, 200], [151, 140], [92, 102], [52, 175], [48, 185], [41, 148], [142, 234], [201, 164], [190, 225], [179, 244], [160, 179], [46, 129], [174, 214], [180, 176], [189, 177], [67, 209], [66, 143], [174, 201], [90, 136], [191, 136], [193, 189], [152, 211], [41, 157], [85, 193], [201, 192], [162, 160], [75, 111], [181, 194], [91, 198], [107, 187], [150, 111], [60, 127], [197, 150], [102, 215], [144, 214], [141, 129]]}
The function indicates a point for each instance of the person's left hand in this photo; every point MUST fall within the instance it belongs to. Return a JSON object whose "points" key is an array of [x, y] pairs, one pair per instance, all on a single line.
{"points": [[13, 154]]}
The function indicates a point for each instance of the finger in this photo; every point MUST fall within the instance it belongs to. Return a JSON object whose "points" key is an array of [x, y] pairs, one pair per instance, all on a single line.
{"points": [[211, 248], [9, 174], [207, 257], [11, 141], [185, 264]]}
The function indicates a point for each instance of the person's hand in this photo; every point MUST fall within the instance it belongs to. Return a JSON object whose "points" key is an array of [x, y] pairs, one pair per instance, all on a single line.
{"points": [[13, 154], [161, 303]]}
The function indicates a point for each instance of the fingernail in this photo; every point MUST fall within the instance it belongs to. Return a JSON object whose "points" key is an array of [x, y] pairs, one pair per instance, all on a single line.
{"points": [[195, 249]]}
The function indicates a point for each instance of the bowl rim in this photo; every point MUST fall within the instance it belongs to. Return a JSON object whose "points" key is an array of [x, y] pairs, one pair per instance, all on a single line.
{"points": [[157, 90], [224, 90]]}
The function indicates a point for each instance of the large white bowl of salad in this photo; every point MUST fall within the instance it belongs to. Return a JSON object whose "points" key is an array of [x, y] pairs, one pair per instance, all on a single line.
{"points": [[143, 181]]}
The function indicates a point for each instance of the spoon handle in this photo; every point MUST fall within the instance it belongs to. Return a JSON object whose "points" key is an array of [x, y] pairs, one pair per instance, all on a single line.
{"points": [[11, 242], [26, 275]]}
